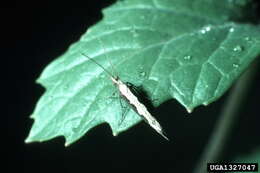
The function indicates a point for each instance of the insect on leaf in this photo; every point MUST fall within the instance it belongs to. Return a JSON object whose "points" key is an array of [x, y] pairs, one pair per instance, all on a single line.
{"points": [[191, 51]]}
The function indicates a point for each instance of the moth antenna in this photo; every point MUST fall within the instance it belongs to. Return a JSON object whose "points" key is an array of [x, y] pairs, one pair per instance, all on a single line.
{"points": [[110, 74], [104, 50]]}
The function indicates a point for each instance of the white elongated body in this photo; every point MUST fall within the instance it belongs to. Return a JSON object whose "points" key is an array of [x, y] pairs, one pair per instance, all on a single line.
{"points": [[140, 108]]}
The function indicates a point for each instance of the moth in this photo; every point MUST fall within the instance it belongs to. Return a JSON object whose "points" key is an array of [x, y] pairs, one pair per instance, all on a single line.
{"points": [[132, 99]]}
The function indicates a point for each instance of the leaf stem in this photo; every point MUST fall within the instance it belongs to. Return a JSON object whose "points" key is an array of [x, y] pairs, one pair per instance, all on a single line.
{"points": [[224, 124]]}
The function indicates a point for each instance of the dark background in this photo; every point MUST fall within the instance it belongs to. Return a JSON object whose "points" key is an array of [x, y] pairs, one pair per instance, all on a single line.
{"points": [[37, 35]]}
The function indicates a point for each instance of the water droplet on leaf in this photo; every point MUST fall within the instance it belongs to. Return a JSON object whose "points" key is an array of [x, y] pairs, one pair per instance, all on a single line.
{"points": [[238, 48], [205, 29], [141, 67], [247, 38], [235, 65], [231, 30], [188, 57], [208, 28], [142, 74]]}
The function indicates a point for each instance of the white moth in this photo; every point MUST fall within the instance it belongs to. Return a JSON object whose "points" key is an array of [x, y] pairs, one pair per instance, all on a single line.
{"points": [[127, 94]]}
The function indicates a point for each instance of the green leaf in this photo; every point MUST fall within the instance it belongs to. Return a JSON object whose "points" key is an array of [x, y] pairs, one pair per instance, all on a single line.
{"points": [[191, 51]]}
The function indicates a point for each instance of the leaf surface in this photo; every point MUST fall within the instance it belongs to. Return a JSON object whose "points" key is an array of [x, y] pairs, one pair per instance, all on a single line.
{"points": [[191, 51]]}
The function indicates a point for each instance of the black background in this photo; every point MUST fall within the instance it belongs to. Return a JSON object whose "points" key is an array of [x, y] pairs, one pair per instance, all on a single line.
{"points": [[36, 35]]}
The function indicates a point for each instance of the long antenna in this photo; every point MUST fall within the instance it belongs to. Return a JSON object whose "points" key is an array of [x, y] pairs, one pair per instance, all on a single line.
{"points": [[104, 50], [110, 74]]}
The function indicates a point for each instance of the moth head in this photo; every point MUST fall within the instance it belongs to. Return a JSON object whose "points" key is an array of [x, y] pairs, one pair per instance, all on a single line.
{"points": [[115, 79]]}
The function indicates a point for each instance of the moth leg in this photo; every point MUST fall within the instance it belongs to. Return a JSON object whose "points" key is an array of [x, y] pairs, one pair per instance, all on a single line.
{"points": [[124, 109]]}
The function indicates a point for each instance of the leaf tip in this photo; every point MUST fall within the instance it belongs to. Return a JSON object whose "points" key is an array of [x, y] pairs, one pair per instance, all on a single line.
{"points": [[32, 137], [189, 110], [115, 134], [67, 144], [69, 140], [28, 140], [32, 116], [205, 103]]}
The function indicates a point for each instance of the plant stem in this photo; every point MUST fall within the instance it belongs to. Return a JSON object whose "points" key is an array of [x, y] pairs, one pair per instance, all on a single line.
{"points": [[224, 124]]}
